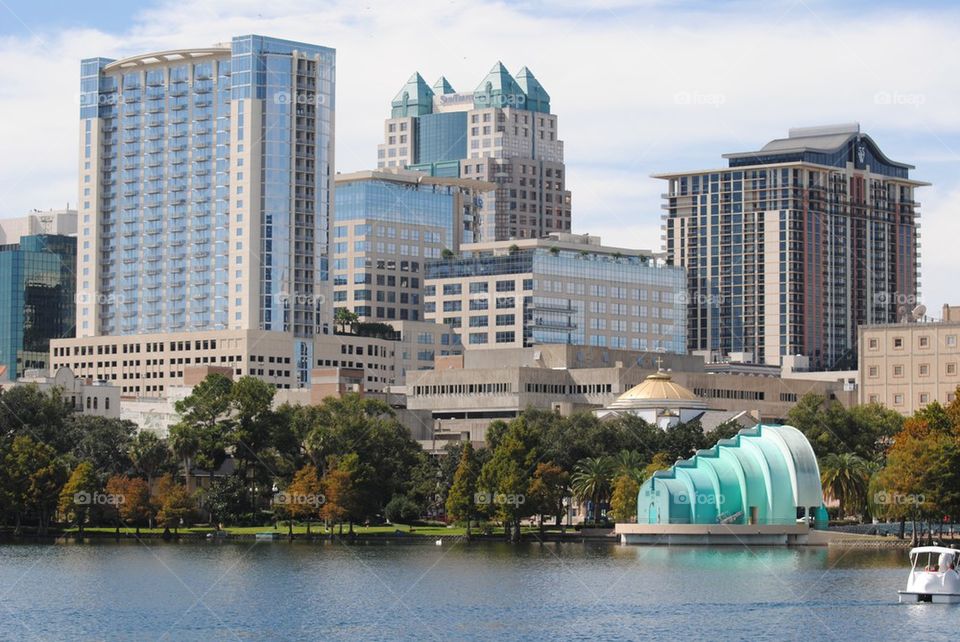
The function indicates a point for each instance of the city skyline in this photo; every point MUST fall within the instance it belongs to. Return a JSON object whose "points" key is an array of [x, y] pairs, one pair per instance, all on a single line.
{"points": [[679, 107]]}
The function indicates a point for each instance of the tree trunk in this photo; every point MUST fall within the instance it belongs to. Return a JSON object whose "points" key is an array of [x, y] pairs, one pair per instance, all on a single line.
{"points": [[903, 527], [468, 526], [541, 527], [290, 528], [16, 529], [308, 527], [515, 535]]}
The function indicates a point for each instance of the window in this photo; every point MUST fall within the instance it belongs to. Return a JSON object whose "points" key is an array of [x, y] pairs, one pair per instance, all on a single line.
{"points": [[505, 302], [873, 371], [452, 288], [479, 304], [478, 337], [897, 371], [898, 400], [951, 340], [506, 319], [505, 286], [951, 368], [506, 337], [479, 322], [924, 369], [452, 306], [872, 344], [478, 287], [898, 343], [924, 398], [924, 342]]}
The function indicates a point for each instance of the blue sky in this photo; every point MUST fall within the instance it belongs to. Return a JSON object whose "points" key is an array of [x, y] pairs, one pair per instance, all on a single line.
{"points": [[639, 87]]}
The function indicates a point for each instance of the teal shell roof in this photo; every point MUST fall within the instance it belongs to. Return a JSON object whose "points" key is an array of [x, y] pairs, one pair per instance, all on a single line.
{"points": [[537, 97], [497, 89], [769, 469]]}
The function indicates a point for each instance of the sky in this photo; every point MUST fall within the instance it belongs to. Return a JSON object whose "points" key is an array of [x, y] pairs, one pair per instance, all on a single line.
{"points": [[639, 87]]}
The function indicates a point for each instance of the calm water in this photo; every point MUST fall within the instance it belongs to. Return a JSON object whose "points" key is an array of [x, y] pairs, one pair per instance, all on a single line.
{"points": [[275, 590]]}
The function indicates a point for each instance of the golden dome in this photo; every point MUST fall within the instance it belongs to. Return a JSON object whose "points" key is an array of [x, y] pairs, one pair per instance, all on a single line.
{"points": [[658, 390]]}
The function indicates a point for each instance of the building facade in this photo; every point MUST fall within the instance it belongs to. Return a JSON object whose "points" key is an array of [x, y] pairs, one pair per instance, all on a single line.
{"points": [[388, 224], [502, 132], [906, 366], [791, 247], [37, 300], [464, 394], [206, 191], [61, 222], [561, 289]]}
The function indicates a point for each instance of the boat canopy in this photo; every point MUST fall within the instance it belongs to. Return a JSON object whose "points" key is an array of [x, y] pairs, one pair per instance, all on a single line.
{"points": [[933, 549]]}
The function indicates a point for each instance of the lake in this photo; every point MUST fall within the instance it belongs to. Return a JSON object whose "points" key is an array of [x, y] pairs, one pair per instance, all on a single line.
{"points": [[484, 591]]}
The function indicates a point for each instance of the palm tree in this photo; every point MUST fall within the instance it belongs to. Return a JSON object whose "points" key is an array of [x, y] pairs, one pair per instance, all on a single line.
{"points": [[629, 463], [845, 478], [184, 442], [148, 454], [591, 480]]}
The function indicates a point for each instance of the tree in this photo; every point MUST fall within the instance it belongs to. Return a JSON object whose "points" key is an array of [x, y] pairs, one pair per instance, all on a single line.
{"points": [[845, 478], [623, 499], [402, 510], [136, 507], [461, 500], [228, 500], [304, 495], [205, 422], [253, 430], [338, 491], [104, 442], [864, 431], [591, 481], [660, 461], [344, 319], [174, 503], [32, 476], [148, 455], [505, 478], [547, 490], [80, 494]]}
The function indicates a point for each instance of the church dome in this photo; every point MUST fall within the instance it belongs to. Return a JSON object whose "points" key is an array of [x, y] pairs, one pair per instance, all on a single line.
{"points": [[658, 391]]}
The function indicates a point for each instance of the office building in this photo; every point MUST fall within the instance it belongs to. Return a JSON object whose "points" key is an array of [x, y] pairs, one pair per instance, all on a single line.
{"points": [[463, 394], [387, 225], [791, 247], [37, 300], [502, 132], [206, 193], [61, 222], [560, 289], [906, 366]]}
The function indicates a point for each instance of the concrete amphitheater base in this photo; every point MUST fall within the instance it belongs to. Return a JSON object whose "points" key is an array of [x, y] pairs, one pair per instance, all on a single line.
{"points": [[715, 534]]}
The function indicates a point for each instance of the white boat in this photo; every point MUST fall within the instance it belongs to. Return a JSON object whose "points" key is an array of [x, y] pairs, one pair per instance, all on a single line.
{"points": [[933, 576]]}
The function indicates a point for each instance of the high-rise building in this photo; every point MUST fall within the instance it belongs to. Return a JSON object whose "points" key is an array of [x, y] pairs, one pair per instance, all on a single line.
{"points": [[37, 284], [206, 191], [387, 224], [502, 132], [791, 247], [560, 289]]}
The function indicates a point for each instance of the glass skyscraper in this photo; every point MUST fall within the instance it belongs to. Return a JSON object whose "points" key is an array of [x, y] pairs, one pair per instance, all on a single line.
{"points": [[206, 190], [387, 225], [37, 286]]}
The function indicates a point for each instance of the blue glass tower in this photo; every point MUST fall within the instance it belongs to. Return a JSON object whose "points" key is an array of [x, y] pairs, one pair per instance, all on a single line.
{"points": [[206, 190], [37, 285]]}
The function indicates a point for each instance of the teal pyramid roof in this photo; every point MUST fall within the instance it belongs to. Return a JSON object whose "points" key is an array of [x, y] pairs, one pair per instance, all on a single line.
{"points": [[499, 89], [414, 99], [443, 87], [537, 97]]}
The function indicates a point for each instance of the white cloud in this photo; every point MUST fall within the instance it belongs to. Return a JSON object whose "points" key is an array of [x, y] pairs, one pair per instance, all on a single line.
{"points": [[639, 87]]}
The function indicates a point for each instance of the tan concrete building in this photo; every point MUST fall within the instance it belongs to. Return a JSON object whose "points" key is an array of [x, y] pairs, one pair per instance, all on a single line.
{"points": [[464, 394], [62, 222], [909, 365], [388, 224], [563, 288], [148, 365]]}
